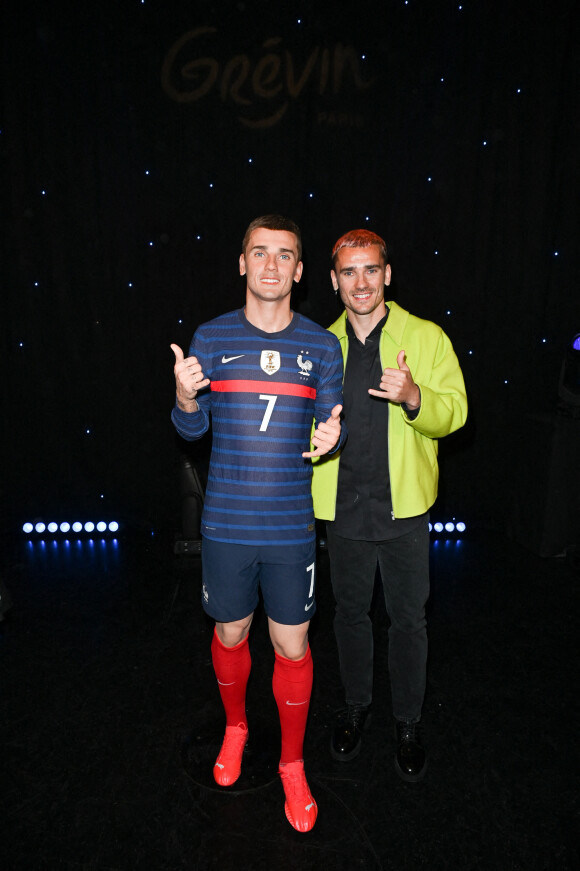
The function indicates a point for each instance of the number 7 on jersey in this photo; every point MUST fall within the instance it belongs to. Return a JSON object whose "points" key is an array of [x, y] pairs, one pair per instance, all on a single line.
{"points": [[271, 400]]}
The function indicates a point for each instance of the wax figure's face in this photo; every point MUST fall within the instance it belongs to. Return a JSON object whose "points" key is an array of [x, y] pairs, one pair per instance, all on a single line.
{"points": [[360, 275], [270, 263]]}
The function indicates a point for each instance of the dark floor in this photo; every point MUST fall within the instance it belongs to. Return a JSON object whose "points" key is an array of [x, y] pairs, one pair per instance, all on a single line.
{"points": [[111, 719]]}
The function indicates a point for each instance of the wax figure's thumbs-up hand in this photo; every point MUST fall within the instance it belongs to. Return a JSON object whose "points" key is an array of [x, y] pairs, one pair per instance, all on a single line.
{"points": [[189, 378], [326, 434]]}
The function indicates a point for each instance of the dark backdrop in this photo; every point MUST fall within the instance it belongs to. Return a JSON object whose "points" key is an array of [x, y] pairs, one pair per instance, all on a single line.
{"points": [[138, 141]]}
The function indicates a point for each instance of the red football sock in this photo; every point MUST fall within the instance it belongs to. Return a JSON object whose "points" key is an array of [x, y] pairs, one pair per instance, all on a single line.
{"points": [[292, 686], [232, 668]]}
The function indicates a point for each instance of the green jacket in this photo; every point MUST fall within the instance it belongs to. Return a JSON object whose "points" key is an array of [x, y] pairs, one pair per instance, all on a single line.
{"points": [[413, 467]]}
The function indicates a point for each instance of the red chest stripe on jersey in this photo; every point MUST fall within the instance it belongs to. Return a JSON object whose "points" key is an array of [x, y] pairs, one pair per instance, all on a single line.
{"points": [[280, 388]]}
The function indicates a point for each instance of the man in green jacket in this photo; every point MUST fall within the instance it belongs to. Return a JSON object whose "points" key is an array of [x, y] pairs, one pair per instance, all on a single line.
{"points": [[403, 390]]}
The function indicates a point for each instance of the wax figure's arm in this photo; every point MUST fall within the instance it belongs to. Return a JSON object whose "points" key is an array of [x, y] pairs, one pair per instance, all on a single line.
{"points": [[329, 432], [190, 415]]}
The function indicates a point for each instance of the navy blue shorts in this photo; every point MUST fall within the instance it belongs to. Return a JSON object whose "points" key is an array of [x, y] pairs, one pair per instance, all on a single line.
{"points": [[232, 574]]}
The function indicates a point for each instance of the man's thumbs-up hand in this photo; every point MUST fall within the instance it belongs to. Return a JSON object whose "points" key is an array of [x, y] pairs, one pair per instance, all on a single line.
{"points": [[398, 385]]}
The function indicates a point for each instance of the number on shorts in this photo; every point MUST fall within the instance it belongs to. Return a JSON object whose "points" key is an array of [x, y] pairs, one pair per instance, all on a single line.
{"points": [[310, 569], [271, 400]]}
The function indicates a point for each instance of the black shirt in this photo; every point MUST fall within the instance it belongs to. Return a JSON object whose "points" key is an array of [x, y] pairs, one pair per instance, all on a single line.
{"points": [[363, 504]]}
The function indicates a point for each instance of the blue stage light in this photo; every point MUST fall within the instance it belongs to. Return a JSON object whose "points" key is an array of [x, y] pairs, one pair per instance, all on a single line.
{"points": [[53, 528], [451, 527]]}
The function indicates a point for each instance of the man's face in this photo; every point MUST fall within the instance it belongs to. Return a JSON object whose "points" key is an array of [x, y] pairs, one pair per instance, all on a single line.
{"points": [[360, 274], [270, 263]]}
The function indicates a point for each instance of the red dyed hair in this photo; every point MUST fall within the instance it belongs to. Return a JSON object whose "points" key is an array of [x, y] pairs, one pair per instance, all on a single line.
{"points": [[359, 239]]}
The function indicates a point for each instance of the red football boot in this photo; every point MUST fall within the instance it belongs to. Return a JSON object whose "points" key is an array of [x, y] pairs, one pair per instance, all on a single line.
{"points": [[228, 765], [301, 809]]}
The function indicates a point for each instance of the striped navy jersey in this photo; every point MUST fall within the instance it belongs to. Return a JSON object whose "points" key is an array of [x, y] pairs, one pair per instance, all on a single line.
{"points": [[265, 391]]}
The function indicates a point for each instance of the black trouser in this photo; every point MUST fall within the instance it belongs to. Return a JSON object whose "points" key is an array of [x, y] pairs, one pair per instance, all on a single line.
{"points": [[404, 567]]}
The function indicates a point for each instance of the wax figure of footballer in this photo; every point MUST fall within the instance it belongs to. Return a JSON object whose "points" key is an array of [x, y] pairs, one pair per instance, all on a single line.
{"points": [[263, 377]]}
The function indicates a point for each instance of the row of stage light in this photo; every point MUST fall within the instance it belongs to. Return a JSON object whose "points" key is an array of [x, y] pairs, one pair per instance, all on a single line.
{"points": [[451, 527], [64, 528]]}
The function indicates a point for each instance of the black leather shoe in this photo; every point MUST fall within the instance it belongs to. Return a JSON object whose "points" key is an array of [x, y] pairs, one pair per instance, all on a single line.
{"points": [[410, 762], [346, 736]]}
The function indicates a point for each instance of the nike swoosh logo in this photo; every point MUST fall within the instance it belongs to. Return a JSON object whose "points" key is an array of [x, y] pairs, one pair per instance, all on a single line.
{"points": [[222, 684], [309, 807], [297, 703], [229, 359], [308, 607]]}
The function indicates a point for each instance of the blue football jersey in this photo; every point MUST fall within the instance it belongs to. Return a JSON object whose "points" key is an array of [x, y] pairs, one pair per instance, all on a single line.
{"points": [[265, 392]]}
